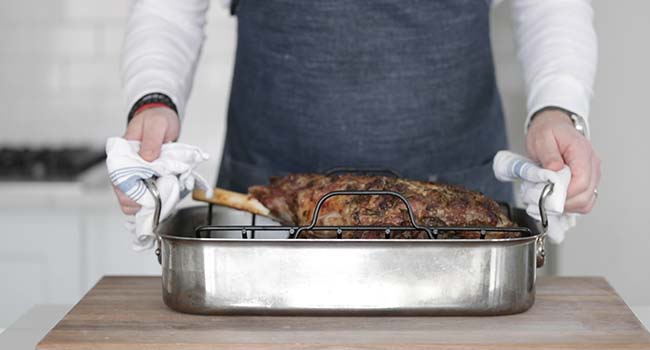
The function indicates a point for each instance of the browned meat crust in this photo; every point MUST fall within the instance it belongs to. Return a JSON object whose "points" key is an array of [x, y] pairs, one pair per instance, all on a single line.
{"points": [[292, 199]]}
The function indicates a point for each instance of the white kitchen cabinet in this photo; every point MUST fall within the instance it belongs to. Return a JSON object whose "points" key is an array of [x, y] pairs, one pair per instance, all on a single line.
{"points": [[108, 249], [58, 239], [40, 254]]}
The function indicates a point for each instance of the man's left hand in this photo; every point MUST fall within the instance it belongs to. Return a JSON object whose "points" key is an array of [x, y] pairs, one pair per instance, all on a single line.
{"points": [[553, 141]]}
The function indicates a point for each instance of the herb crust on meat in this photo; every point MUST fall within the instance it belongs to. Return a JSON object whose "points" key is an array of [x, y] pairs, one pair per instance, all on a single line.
{"points": [[293, 198]]}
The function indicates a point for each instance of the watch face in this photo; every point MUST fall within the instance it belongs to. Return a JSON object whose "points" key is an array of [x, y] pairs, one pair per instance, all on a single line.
{"points": [[579, 124]]}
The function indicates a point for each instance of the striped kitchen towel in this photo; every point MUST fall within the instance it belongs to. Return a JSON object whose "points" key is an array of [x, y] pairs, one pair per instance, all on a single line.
{"points": [[176, 177], [509, 166]]}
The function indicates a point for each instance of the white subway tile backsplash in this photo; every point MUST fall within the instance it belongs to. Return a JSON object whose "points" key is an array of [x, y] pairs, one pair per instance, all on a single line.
{"points": [[27, 76], [217, 58], [212, 75], [63, 119], [75, 40], [60, 79], [24, 40], [99, 74], [96, 9], [219, 11], [110, 39], [47, 43], [221, 38], [30, 11]]}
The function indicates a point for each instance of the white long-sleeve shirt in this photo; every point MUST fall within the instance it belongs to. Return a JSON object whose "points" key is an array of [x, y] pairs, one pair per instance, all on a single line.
{"points": [[556, 42]]}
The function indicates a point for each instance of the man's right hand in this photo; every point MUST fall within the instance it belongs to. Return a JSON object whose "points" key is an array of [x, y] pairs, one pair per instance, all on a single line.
{"points": [[152, 127]]}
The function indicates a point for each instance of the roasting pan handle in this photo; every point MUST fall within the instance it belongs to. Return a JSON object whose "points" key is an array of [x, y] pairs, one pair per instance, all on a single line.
{"points": [[150, 183], [365, 193], [546, 192], [541, 239]]}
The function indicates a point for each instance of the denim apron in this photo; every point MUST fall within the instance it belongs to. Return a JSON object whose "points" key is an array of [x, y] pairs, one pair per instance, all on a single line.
{"points": [[406, 85]]}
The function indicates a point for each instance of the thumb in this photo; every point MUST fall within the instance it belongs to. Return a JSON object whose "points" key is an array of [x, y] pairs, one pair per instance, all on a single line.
{"points": [[153, 134], [548, 153]]}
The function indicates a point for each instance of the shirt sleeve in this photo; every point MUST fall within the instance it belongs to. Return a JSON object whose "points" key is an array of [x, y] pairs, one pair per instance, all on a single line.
{"points": [[161, 48], [557, 48]]}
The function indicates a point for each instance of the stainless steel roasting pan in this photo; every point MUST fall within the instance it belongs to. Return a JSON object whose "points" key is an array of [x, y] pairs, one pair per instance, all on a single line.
{"points": [[276, 275]]}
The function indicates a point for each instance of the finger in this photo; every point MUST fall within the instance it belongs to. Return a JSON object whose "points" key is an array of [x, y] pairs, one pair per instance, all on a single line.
{"points": [[120, 195], [127, 202], [581, 204], [548, 153], [128, 205], [128, 210], [123, 198], [579, 158], [153, 135], [584, 201], [134, 129]]}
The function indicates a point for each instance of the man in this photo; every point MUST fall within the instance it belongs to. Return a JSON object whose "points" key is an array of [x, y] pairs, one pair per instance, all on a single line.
{"points": [[407, 85]]}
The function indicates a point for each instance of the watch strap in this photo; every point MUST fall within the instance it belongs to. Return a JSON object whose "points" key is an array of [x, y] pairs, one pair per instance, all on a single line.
{"points": [[578, 122], [154, 98]]}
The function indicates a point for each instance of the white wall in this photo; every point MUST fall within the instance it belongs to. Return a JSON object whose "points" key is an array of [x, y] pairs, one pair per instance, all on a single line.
{"points": [[614, 240], [59, 82]]}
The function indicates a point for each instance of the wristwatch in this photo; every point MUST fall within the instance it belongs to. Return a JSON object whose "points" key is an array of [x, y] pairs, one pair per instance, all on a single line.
{"points": [[578, 122]]}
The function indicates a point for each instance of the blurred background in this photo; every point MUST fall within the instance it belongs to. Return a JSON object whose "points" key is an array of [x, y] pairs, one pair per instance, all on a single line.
{"points": [[60, 99]]}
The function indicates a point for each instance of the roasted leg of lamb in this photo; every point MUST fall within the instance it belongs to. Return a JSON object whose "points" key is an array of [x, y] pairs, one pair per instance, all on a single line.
{"points": [[293, 198]]}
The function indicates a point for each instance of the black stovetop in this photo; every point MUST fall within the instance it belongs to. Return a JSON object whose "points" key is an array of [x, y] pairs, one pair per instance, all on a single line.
{"points": [[47, 164]]}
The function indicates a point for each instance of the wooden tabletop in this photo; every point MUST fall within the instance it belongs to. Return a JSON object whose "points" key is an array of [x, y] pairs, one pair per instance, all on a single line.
{"points": [[569, 313]]}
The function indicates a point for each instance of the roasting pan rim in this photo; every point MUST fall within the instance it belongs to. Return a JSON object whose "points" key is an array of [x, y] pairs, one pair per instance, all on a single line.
{"points": [[348, 240], [535, 232]]}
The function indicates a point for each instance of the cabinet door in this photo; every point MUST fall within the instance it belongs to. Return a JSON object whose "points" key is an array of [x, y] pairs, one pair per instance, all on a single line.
{"points": [[40, 259], [108, 246]]}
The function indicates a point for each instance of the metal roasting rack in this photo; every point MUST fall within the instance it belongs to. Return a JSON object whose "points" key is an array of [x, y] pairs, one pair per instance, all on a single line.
{"points": [[294, 232], [432, 232]]}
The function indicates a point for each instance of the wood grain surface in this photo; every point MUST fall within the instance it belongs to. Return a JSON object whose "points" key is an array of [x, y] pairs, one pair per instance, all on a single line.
{"points": [[569, 313]]}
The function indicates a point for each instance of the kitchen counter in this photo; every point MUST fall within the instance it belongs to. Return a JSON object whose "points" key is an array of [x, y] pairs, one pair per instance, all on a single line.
{"points": [[128, 313]]}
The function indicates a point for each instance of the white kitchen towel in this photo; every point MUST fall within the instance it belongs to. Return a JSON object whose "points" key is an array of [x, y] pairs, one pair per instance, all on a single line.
{"points": [[175, 174], [509, 166]]}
